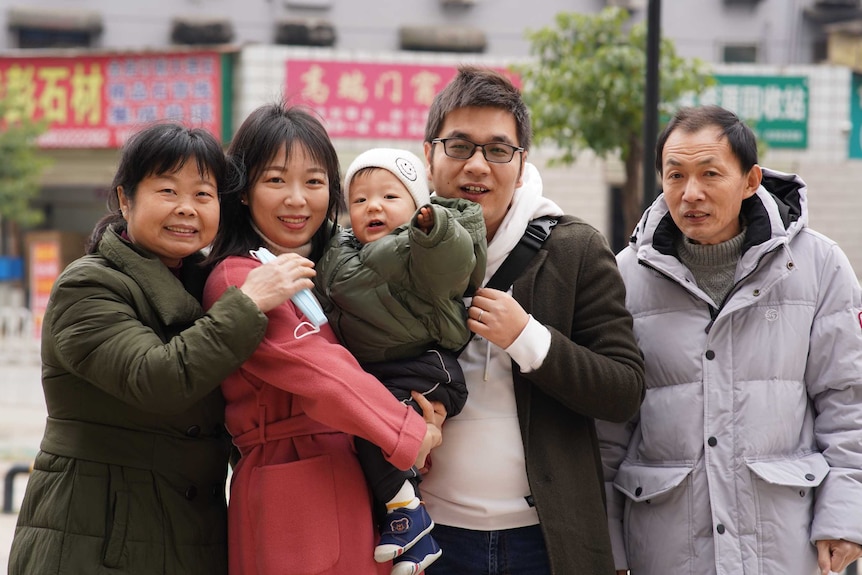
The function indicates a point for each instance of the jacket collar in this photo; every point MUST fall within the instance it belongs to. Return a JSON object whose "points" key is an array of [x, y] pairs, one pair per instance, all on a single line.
{"points": [[168, 296], [779, 209]]}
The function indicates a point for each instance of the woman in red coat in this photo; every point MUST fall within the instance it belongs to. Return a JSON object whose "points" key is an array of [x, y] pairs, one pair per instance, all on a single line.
{"points": [[299, 502]]}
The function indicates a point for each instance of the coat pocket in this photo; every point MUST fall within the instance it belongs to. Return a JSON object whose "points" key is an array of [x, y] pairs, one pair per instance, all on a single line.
{"points": [[295, 517], [806, 471], [115, 542], [782, 492], [644, 482], [659, 502]]}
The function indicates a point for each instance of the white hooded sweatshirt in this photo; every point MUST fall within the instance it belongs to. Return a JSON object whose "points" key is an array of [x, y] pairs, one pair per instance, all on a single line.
{"points": [[478, 477]]}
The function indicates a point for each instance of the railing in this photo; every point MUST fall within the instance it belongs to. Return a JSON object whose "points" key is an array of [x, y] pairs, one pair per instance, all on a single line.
{"points": [[9, 484], [18, 342]]}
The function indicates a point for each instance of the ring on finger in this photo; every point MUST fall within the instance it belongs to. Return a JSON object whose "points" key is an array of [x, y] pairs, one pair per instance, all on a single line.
{"points": [[479, 317]]}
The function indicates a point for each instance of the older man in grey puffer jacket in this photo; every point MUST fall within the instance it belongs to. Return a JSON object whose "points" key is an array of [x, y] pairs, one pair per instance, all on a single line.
{"points": [[746, 456]]}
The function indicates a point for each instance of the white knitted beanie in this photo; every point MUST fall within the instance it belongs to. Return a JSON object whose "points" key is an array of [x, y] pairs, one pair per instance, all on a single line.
{"points": [[406, 166]]}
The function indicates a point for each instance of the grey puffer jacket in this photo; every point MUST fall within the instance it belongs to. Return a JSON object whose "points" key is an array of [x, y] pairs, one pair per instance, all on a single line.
{"points": [[748, 446]]}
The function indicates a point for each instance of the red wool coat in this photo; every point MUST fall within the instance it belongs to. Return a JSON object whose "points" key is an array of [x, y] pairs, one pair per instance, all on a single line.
{"points": [[299, 503]]}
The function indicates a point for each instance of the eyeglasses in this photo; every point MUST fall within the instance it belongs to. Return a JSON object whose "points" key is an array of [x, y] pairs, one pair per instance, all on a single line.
{"points": [[494, 152]]}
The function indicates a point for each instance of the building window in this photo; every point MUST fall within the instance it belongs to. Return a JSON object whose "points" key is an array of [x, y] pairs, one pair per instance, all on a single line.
{"points": [[197, 32], [35, 28], [442, 38], [739, 54], [305, 33], [319, 4]]}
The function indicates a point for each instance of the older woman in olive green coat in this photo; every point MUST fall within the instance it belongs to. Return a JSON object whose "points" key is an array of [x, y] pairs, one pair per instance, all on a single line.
{"points": [[130, 476]]}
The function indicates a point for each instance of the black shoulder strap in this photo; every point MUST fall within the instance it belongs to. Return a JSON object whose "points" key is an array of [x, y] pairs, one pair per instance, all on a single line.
{"points": [[537, 232]]}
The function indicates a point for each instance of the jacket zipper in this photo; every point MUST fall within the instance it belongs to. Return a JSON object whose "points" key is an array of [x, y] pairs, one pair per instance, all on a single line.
{"points": [[736, 285], [713, 312]]}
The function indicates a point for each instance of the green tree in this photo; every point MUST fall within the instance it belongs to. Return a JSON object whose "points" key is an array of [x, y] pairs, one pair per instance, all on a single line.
{"points": [[586, 90], [20, 171]]}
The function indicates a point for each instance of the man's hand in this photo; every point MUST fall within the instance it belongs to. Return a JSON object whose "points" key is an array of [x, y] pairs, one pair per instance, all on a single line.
{"points": [[496, 316], [836, 554]]}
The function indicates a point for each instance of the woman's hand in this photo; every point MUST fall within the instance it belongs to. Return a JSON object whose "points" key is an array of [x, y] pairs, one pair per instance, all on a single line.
{"points": [[273, 283], [439, 413], [433, 435]]}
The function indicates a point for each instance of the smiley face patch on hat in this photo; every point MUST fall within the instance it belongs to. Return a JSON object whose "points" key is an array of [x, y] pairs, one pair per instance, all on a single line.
{"points": [[403, 164]]}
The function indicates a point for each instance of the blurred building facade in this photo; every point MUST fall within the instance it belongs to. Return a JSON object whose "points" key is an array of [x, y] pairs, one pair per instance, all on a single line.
{"points": [[97, 69], [774, 32]]}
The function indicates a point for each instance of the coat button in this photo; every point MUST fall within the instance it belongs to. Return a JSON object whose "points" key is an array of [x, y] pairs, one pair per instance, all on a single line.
{"points": [[191, 493], [720, 528], [756, 292], [710, 354], [790, 265], [810, 476], [712, 441], [193, 431], [638, 491]]}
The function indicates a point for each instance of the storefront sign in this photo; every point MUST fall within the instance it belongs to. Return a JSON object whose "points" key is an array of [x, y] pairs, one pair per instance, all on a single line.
{"points": [[776, 107], [96, 102], [45, 266], [369, 100], [856, 117]]}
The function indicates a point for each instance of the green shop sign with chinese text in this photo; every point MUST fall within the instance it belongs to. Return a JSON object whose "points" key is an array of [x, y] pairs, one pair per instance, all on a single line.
{"points": [[776, 107], [856, 117]]}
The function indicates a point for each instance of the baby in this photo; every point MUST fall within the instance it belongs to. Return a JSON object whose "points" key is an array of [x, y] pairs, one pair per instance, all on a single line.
{"points": [[392, 287]]}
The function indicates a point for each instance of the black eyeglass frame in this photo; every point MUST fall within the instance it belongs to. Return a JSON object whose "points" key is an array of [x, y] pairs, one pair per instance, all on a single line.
{"points": [[515, 149]]}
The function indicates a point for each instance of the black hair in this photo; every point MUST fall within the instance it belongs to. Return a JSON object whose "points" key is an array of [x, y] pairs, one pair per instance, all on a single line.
{"points": [[740, 138], [256, 143], [159, 148], [475, 86]]}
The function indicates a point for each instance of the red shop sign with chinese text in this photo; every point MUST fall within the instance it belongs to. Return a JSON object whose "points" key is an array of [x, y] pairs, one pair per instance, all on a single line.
{"points": [[369, 100], [96, 102]]}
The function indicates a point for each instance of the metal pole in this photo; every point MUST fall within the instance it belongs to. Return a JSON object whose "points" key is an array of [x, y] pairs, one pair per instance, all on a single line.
{"points": [[651, 100], [8, 484]]}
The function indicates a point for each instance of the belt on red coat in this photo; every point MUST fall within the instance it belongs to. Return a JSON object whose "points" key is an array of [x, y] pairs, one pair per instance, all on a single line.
{"points": [[295, 426]]}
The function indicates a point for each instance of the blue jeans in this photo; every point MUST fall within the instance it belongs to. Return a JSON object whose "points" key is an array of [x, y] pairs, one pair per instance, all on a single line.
{"points": [[518, 551]]}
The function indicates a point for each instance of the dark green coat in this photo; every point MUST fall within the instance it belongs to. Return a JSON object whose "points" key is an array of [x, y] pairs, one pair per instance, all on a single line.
{"points": [[593, 370], [401, 294], [130, 476]]}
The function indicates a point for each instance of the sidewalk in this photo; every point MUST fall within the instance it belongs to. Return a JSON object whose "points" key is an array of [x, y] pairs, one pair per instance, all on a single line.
{"points": [[8, 520], [22, 422]]}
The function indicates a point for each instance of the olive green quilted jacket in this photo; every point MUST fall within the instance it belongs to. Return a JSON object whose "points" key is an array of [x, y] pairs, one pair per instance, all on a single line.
{"points": [[130, 476]]}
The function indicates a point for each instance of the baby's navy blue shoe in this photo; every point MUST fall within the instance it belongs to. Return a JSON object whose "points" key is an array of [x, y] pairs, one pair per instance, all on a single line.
{"points": [[401, 530]]}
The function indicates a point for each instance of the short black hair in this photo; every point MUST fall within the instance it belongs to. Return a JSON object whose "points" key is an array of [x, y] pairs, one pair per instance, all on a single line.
{"points": [[159, 148], [475, 86], [741, 138]]}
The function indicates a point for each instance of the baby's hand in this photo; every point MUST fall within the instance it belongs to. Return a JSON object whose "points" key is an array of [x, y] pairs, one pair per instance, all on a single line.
{"points": [[425, 219]]}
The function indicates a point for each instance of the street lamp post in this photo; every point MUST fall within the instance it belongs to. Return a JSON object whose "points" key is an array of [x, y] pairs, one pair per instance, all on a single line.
{"points": [[651, 100]]}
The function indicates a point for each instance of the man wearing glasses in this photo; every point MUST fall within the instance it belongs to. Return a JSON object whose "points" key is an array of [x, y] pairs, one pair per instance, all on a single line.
{"points": [[517, 486]]}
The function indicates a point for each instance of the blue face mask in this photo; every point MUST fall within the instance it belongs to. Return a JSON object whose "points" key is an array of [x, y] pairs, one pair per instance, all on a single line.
{"points": [[303, 300]]}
